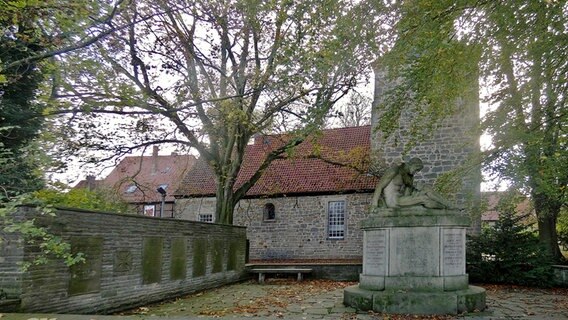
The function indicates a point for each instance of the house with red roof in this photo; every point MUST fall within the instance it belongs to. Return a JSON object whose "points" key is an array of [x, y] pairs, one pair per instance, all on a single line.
{"points": [[146, 182], [492, 201], [307, 205]]}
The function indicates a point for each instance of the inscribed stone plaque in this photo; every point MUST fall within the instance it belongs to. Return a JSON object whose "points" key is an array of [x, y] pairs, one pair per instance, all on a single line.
{"points": [[453, 251], [218, 255], [234, 253], [414, 251], [86, 277], [375, 252], [152, 260], [199, 257], [178, 259]]}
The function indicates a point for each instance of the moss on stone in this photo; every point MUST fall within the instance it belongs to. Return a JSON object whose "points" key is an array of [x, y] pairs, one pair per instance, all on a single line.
{"points": [[218, 255], [178, 259], [152, 260], [233, 255], [85, 277], [199, 257]]}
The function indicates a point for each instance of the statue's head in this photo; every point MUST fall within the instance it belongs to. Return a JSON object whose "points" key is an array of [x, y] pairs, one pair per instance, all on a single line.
{"points": [[414, 165]]}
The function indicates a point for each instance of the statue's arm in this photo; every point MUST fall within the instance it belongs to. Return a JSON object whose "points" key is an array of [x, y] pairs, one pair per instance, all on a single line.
{"points": [[383, 182]]}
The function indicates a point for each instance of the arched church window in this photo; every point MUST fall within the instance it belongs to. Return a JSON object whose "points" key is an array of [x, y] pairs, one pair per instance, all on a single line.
{"points": [[269, 212]]}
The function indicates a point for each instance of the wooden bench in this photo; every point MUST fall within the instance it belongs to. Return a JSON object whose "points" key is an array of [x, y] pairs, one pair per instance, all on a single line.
{"points": [[263, 271]]}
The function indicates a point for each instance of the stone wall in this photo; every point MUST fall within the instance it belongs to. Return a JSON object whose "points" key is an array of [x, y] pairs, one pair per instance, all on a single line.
{"points": [[449, 146], [131, 261], [12, 252], [299, 230], [560, 275]]}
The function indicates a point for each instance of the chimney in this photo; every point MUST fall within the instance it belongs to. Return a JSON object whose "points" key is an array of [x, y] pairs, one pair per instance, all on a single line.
{"points": [[155, 159], [90, 182], [260, 139]]}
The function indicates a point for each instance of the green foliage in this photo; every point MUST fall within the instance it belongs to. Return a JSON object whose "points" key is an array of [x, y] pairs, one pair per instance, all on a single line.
{"points": [[82, 198], [30, 32], [508, 253], [20, 114], [429, 64], [49, 245], [20, 171], [55, 27]]}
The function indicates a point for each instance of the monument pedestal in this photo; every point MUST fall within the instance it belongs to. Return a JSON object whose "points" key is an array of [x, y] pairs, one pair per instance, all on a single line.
{"points": [[414, 262]]}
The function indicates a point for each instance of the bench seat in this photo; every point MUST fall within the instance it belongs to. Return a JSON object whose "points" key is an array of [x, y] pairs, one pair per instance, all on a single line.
{"points": [[263, 271]]}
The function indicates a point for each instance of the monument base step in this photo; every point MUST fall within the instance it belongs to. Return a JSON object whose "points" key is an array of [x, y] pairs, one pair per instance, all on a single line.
{"points": [[419, 303]]}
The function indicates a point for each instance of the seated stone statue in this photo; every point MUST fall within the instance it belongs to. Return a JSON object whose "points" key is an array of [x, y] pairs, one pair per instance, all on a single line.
{"points": [[396, 189]]}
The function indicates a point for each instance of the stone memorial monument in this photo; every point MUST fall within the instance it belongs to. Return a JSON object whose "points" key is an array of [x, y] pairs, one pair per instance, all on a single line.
{"points": [[413, 251]]}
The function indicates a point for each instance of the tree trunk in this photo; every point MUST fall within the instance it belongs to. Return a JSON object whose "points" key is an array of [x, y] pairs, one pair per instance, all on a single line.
{"points": [[547, 215], [225, 209], [225, 205]]}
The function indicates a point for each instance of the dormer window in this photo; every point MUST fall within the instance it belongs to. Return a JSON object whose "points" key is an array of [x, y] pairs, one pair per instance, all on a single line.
{"points": [[269, 212], [131, 188]]}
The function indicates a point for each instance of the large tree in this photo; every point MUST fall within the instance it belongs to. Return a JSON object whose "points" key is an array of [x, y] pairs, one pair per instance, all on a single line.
{"points": [[55, 27], [209, 74], [20, 113], [520, 48], [31, 32]]}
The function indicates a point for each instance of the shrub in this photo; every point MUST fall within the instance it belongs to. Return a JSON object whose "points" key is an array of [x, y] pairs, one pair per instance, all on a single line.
{"points": [[509, 253], [99, 199]]}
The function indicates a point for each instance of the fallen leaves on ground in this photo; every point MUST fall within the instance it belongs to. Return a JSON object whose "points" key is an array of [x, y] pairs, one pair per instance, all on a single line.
{"points": [[517, 288], [286, 293], [278, 294]]}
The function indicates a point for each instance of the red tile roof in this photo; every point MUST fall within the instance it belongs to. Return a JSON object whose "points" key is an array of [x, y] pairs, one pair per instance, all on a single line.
{"points": [[491, 202], [147, 173], [301, 172], [89, 183]]}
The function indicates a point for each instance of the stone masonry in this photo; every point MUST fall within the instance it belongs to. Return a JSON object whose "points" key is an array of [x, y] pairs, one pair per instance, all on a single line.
{"points": [[130, 261], [10, 272]]}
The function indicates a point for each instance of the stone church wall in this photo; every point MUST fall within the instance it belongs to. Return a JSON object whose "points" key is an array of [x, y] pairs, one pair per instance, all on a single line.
{"points": [[299, 229]]}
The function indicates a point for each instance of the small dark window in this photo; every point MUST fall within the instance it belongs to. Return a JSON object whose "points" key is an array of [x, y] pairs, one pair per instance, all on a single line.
{"points": [[205, 217], [269, 212]]}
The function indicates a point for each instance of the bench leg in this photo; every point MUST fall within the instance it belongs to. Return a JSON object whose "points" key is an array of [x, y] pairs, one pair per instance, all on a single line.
{"points": [[260, 277], [299, 276]]}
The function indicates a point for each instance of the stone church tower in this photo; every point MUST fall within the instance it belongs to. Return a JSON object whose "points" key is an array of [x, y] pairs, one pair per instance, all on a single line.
{"points": [[449, 147]]}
